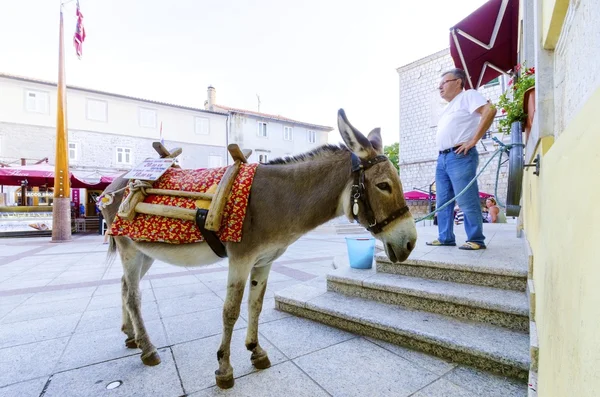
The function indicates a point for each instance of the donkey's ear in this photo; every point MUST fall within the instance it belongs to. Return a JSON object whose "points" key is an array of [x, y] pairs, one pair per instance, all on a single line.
{"points": [[356, 142], [375, 138]]}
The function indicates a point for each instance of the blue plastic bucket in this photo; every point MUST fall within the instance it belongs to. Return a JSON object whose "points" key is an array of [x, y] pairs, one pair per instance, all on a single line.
{"points": [[361, 251]]}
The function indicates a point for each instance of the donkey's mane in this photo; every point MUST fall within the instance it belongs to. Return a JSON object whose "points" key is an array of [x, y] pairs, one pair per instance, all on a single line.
{"points": [[320, 152]]}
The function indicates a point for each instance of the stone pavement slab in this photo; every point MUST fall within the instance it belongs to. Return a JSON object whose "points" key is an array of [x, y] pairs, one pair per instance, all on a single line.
{"points": [[356, 368], [197, 362], [297, 336], [29, 388], [24, 332], [442, 387], [93, 347], [34, 360], [195, 325], [136, 379], [280, 380]]}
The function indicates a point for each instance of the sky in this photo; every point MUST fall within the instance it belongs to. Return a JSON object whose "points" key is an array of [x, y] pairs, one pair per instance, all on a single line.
{"points": [[305, 59]]}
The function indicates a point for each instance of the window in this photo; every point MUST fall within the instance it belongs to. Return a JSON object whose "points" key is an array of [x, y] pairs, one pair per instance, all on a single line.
{"points": [[262, 129], [287, 133], [263, 158], [124, 156], [147, 118], [96, 110], [36, 101], [215, 161], [73, 151], [312, 137], [202, 125]]}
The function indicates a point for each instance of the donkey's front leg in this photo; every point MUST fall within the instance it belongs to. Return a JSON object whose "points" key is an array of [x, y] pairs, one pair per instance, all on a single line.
{"points": [[238, 274], [258, 286]]}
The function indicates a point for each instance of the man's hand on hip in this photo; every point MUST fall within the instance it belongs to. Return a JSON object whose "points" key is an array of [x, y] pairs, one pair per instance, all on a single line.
{"points": [[463, 148]]}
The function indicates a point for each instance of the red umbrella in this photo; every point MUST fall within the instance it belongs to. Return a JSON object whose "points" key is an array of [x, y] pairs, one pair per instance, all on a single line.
{"points": [[484, 44]]}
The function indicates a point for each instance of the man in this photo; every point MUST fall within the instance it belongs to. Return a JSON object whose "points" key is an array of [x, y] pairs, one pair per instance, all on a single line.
{"points": [[465, 119]]}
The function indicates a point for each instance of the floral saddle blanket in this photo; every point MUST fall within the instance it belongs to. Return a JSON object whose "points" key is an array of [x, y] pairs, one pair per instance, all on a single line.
{"points": [[155, 228]]}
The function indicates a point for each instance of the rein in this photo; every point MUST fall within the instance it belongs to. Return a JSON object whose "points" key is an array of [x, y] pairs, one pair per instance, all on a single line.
{"points": [[360, 198]]}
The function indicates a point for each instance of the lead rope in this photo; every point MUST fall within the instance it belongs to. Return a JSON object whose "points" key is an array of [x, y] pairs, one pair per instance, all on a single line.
{"points": [[504, 148]]}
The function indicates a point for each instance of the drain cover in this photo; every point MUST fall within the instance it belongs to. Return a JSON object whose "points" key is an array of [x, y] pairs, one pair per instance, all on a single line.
{"points": [[114, 385]]}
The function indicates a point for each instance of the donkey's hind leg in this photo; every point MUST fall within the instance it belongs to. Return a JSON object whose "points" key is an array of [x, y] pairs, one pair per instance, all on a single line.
{"points": [[135, 265], [236, 281], [127, 326], [258, 286]]}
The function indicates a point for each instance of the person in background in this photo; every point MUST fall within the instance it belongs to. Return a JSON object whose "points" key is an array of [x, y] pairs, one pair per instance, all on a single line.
{"points": [[495, 214], [459, 216]]}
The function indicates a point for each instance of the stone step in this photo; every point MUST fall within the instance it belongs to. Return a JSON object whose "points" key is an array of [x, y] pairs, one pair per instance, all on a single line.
{"points": [[481, 345], [496, 306], [457, 268]]}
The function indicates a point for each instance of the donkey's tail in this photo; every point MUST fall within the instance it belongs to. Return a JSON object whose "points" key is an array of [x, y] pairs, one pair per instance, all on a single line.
{"points": [[112, 250]]}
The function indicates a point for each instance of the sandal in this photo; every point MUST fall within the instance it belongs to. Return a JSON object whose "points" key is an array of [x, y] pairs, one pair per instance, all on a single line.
{"points": [[438, 243], [470, 246]]}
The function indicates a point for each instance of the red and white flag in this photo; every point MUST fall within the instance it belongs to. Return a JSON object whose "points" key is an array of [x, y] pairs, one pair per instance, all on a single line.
{"points": [[79, 36]]}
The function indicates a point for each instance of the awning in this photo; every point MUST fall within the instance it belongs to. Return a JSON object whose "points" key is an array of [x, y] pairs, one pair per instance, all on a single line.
{"points": [[43, 174], [416, 195], [484, 44]]}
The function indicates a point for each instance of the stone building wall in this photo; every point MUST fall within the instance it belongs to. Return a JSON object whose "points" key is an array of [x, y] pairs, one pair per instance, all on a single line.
{"points": [[420, 107]]}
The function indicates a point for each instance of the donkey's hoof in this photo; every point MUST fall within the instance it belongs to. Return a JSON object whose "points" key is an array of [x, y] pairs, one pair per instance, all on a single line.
{"points": [[130, 343], [151, 359], [224, 381], [261, 362]]}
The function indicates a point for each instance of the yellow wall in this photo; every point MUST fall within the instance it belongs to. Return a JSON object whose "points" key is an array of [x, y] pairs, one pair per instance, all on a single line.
{"points": [[562, 223], [553, 14]]}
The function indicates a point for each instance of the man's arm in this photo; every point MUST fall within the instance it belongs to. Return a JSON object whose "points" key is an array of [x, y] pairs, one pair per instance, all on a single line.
{"points": [[487, 112]]}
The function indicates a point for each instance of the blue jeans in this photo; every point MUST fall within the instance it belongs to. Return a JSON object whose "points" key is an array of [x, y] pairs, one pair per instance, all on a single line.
{"points": [[452, 175]]}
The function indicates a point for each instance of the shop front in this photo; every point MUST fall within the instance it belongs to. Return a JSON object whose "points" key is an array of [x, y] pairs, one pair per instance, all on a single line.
{"points": [[26, 199]]}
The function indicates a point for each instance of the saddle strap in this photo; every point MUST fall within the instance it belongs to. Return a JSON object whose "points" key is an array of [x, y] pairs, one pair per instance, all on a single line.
{"points": [[210, 237]]}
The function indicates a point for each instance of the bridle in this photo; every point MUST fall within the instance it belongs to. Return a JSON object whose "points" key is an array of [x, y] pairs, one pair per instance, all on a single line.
{"points": [[359, 195]]}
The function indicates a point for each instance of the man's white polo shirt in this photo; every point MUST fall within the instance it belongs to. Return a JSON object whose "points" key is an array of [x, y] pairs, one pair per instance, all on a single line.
{"points": [[459, 120]]}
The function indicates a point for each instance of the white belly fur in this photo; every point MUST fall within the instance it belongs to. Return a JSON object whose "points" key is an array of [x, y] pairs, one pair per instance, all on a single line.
{"points": [[187, 255]]}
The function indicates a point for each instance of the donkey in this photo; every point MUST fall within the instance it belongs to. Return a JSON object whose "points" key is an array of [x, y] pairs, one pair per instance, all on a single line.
{"points": [[289, 197]]}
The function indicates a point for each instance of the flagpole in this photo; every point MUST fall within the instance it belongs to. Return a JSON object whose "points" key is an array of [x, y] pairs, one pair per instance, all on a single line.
{"points": [[61, 208]]}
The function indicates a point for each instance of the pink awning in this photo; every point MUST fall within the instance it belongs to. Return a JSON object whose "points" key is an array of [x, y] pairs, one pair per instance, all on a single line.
{"points": [[43, 174], [416, 195], [484, 44]]}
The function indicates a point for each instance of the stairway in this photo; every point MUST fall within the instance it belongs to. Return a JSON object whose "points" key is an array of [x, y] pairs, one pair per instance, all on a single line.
{"points": [[472, 311]]}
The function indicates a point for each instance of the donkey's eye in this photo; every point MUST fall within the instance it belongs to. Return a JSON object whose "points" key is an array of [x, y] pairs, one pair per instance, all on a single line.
{"points": [[384, 186]]}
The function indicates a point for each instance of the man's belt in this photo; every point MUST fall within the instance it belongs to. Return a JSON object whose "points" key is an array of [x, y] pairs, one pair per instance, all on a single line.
{"points": [[449, 150]]}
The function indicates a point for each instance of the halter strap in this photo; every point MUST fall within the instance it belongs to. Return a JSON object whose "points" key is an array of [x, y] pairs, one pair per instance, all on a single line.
{"points": [[360, 198]]}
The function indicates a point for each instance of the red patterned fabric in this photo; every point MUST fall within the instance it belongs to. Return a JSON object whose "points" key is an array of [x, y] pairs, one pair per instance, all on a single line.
{"points": [[156, 228]]}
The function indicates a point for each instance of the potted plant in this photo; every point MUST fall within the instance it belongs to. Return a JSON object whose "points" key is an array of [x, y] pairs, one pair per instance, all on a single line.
{"points": [[513, 102]]}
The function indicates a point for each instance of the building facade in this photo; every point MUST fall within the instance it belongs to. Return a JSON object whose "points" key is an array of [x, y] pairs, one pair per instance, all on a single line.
{"points": [[561, 39], [420, 108], [108, 133], [269, 136]]}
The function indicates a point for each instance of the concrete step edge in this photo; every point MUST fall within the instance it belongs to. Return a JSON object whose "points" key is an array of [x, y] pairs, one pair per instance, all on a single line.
{"points": [[394, 283], [518, 365]]}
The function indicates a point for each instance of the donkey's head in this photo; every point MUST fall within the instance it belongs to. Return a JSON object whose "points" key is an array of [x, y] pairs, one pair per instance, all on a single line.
{"points": [[375, 198]]}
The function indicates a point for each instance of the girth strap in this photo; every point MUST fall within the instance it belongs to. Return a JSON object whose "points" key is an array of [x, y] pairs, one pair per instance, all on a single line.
{"points": [[210, 237]]}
